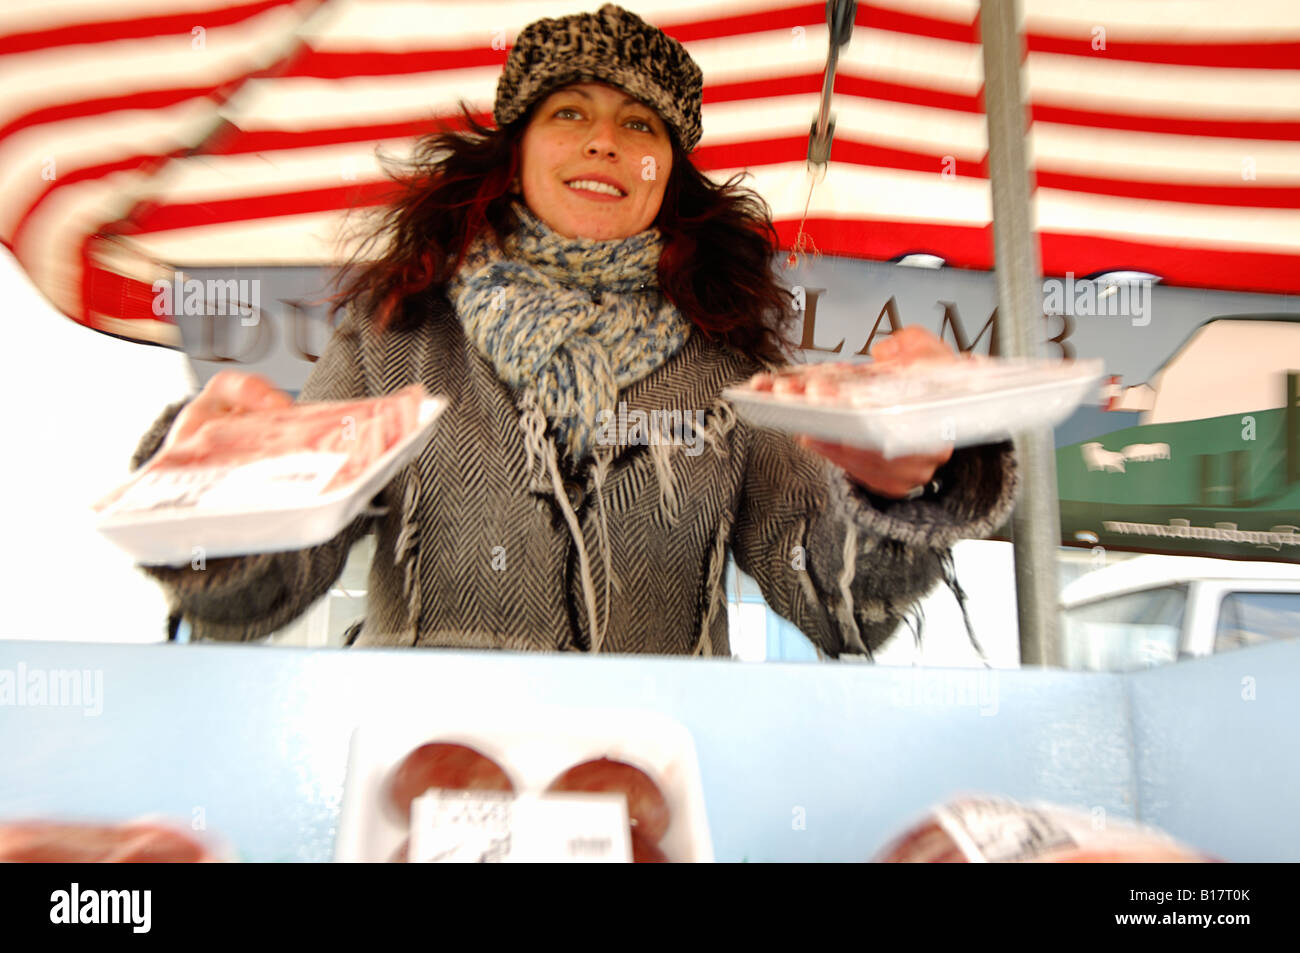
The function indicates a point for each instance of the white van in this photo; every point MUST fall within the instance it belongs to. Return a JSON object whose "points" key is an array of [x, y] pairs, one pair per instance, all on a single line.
{"points": [[1156, 609]]}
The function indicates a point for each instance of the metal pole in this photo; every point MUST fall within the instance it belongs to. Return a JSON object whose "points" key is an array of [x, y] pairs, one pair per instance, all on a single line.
{"points": [[1035, 524], [828, 87], [840, 15]]}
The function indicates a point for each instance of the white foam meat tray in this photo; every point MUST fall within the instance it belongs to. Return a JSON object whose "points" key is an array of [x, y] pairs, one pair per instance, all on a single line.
{"points": [[533, 747], [173, 536], [1040, 394]]}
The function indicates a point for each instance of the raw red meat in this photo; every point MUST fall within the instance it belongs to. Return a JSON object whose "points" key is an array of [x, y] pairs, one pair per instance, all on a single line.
{"points": [[363, 430], [927, 843], [644, 852], [999, 830], [135, 843], [818, 383], [852, 384], [448, 766]]}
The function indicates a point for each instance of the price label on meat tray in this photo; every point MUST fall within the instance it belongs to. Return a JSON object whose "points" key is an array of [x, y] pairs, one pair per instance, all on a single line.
{"points": [[997, 831], [287, 480], [492, 827]]}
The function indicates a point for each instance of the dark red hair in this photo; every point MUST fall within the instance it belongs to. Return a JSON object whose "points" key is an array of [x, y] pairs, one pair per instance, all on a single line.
{"points": [[716, 267]]}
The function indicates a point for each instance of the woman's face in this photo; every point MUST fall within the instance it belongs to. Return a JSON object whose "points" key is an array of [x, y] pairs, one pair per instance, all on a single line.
{"points": [[591, 131]]}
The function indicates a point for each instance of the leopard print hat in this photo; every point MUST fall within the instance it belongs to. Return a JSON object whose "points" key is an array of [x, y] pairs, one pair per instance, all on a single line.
{"points": [[612, 46]]}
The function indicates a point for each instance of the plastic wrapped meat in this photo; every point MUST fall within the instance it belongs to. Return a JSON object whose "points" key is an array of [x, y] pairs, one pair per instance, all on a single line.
{"points": [[139, 842], [362, 430], [266, 481], [868, 384], [997, 830], [899, 407]]}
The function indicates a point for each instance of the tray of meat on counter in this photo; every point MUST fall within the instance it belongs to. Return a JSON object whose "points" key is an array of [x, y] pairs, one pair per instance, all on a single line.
{"points": [[552, 785]]}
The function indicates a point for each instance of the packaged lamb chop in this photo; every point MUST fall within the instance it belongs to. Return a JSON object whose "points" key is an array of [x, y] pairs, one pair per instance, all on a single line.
{"points": [[266, 481], [146, 840], [899, 408], [448, 783], [979, 830]]}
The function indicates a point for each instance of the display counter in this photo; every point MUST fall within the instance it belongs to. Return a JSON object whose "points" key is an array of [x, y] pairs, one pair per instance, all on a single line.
{"points": [[800, 762]]}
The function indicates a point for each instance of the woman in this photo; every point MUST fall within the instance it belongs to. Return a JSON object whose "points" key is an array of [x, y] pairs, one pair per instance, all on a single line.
{"points": [[549, 276]]}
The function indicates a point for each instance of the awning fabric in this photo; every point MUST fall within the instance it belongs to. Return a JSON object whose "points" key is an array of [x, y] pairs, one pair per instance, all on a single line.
{"points": [[138, 136]]}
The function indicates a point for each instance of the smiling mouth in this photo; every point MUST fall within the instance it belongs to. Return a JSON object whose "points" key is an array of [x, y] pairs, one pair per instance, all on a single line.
{"points": [[601, 188]]}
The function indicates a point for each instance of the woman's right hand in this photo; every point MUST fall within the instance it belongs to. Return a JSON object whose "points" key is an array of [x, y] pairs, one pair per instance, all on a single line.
{"points": [[227, 394]]}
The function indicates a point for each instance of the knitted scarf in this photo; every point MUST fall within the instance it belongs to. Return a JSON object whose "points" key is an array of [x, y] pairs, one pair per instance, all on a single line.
{"points": [[567, 322]]}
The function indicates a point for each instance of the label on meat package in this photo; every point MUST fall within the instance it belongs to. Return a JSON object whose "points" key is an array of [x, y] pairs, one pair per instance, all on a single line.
{"points": [[995, 831], [998, 830], [493, 827], [276, 482]]}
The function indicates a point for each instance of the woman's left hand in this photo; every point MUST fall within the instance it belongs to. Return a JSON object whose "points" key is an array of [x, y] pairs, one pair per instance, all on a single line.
{"points": [[899, 477]]}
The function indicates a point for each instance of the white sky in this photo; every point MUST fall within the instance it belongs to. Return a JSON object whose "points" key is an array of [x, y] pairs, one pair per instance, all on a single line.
{"points": [[78, 402]]}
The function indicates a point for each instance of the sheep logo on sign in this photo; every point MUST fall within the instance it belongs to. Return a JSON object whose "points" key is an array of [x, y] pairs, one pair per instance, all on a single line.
{"points": [[1098, 457]]}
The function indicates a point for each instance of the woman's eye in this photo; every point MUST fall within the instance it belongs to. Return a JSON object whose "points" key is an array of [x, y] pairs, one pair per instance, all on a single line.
{"points": [[644, 124]]}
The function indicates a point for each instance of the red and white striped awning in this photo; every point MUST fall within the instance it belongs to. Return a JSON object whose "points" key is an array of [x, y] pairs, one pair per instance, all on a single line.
{"points": [[137, 136]]}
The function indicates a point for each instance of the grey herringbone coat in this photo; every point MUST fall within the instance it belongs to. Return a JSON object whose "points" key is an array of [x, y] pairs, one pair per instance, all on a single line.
{"points": [[473, 552]]}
